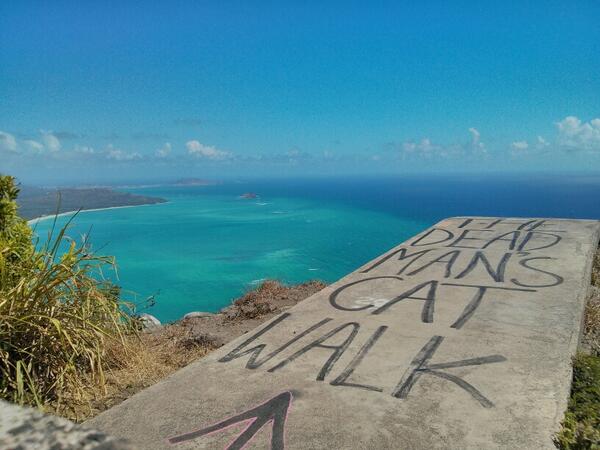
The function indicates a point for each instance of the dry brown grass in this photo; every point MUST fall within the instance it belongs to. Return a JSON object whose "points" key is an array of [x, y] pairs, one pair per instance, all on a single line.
{"points": [[149, 357], [143, 361], [596, 270], [270, 296], [591, 329], [581, 426]]}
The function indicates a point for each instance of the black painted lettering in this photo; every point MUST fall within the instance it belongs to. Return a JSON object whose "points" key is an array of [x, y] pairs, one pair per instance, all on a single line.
{"points": [[531, 234], [447, 235], [530, 223], [338, 350], [419, 366], [427, 311], [504, 238], [497, 273], [486, 225], [448, 259], [544, 223], [254, 352], [472, 306], [402, 255], [341, 380], [464, 236], [526, 263], [333, 298]]}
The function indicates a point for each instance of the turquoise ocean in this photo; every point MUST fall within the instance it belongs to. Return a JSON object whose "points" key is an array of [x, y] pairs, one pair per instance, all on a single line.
{"points": [[206, 245]]}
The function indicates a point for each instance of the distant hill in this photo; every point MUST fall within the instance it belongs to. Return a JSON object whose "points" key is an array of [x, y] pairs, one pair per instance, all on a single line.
{"points": [[194, 182], [37, 202]]}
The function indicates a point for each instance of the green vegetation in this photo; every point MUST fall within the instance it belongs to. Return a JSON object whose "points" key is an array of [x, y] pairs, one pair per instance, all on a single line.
{"points": [[66, 343], [36, 202], [581, 426], [15, 234], [58, 316]]}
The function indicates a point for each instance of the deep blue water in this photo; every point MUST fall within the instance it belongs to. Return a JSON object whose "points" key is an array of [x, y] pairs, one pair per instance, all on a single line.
{"points": [[433, 198]]}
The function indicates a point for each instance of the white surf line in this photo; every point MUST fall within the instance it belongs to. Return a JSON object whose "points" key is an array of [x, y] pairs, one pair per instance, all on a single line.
{"points": [[51, 216]]}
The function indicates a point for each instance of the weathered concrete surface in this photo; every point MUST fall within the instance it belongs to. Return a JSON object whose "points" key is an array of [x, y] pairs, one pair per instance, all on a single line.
{"points": [[27, 429], [459, 338]]}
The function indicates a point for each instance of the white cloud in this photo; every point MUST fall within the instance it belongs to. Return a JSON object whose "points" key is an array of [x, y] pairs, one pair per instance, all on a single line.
{"points": [[7, 142], [475, 135], [541, 142], [50, 141], [424, 147], [199, 150], [577, 135], [427, 149], [85, 149], [476, 140], [409, 147], [33, 145], [164, 151], [119, 155], [519, 145]]}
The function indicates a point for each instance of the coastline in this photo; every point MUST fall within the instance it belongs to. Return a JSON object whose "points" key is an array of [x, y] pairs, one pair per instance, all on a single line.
{"points": [[51, 216]]}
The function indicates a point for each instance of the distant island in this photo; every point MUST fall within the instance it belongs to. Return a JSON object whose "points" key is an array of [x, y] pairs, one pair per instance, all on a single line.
{"points": [[37, 202], [194, 182]]}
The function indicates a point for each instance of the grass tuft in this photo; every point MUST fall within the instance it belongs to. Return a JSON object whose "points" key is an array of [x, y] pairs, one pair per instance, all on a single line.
{"points": [[139, 361], [581, 426], [58, 315], [57, 319]]}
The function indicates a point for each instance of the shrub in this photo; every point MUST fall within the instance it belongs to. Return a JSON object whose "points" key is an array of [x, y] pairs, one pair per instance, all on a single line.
{"points": [[57, 313], [581, 427], [16, 246]]}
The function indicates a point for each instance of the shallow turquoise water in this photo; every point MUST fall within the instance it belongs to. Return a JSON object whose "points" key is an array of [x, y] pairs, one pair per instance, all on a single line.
{"points": [[207, 246]]}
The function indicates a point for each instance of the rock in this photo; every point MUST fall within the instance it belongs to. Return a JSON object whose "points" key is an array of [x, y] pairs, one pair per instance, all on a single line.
{"points": [[24, 428], [197, 315], [149, 322], [230, 312]]}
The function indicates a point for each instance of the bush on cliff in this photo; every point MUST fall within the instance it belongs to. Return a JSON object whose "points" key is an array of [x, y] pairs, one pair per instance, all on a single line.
{"points": [[581, 426], [57, 314], [16, 247]]}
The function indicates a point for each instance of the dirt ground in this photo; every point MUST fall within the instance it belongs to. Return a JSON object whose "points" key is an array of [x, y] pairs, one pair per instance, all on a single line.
{"points": [[158, 352], [247, 312]]}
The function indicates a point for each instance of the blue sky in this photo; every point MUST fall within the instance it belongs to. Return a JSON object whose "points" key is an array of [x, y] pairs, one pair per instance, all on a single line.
{"points": [[114, 91]]}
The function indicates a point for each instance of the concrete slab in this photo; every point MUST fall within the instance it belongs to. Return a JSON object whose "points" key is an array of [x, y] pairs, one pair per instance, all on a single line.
{"points": [[459, 338]]}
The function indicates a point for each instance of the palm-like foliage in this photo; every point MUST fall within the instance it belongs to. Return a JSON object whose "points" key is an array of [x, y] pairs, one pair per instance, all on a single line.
{"points": [[57, 312]]}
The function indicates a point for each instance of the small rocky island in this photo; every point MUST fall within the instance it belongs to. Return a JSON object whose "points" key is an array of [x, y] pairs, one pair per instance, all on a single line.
{"points": [[37, 202]]}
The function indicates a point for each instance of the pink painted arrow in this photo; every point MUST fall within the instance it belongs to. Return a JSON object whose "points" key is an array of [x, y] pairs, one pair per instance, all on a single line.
{"points": [[274, 410]]}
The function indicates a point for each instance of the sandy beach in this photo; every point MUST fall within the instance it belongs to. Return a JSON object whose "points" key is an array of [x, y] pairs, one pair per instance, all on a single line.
{"points": [[51, 216]]}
